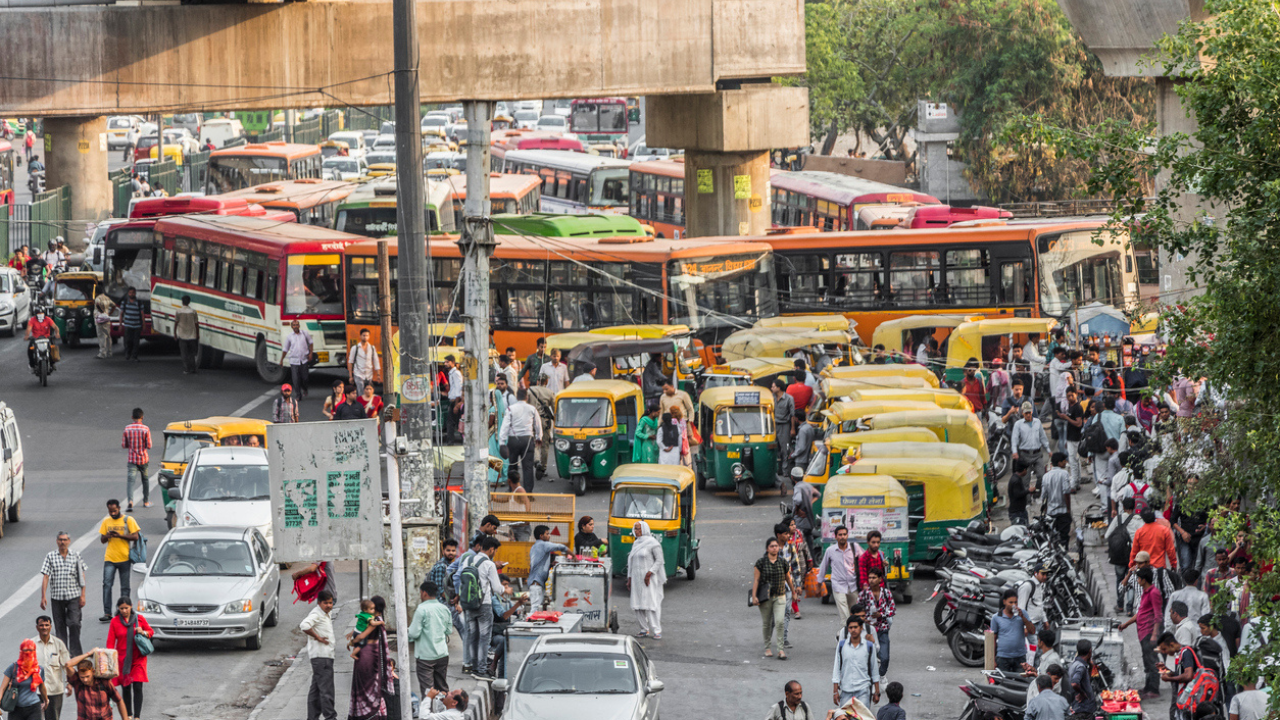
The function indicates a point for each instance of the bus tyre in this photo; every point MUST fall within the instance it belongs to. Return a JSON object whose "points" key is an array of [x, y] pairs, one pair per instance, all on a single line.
{"points": [[747, 492], [15, 512], [204, 357], [3, 516], [267, 370]]}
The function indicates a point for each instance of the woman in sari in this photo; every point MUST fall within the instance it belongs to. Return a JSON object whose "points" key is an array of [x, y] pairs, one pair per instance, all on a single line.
{"points": [[670, 441], [645, 449], [371, 680]]}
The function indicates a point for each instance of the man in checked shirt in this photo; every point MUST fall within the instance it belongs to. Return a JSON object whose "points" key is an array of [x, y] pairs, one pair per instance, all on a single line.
{"points": [[137, 440]]}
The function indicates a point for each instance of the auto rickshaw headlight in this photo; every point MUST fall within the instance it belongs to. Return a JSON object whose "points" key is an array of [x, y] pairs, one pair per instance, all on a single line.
{"points": [[599, 444], [562, 445], [60, 312], [738, 470]]}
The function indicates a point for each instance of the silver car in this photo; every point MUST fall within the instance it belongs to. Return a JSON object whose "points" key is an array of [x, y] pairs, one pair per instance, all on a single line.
{"points": [[603, 677], [211, 583]]}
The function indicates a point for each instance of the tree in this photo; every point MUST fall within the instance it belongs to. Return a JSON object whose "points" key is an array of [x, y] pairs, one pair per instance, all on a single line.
{"points": [[1229, 333]]}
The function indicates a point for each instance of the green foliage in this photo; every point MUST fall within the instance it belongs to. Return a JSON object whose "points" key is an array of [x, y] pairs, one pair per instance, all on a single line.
{"points": [[1229, 333]]}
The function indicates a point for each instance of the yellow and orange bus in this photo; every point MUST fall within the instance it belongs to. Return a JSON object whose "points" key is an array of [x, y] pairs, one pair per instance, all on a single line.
{"points": [[236, 168], [544, 285], [508, 193], [657, 196], [311, 200], [1036, 268]]}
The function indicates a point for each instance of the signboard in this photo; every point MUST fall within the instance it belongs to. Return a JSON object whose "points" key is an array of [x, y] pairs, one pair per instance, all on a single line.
{"points": [[891, 522], [415, 389], [326, 490], [706, 183], [935, 111], [746, 398], [741, 187]]}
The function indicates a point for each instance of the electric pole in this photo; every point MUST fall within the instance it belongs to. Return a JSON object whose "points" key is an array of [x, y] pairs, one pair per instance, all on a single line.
{"points": [[477, 245]]}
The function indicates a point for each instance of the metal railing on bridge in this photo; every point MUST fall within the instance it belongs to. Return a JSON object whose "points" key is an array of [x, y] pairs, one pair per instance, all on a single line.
{"points": [[195, 169], [308, 131]]}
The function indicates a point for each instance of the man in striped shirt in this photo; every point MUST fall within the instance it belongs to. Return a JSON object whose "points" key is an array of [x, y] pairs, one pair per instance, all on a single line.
{"points": [[137, 440], [131, 323]]}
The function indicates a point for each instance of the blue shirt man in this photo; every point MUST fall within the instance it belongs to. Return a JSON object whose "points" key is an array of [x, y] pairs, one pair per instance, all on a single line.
{"points": [[540, 564], [1011, 627], [855, 672]]}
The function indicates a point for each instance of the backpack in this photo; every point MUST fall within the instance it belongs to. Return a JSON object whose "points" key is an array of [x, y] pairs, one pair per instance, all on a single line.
{"points": [[307, 588], [138, 549], [1120, 544], [447, 593], [1201, 690], [840, 654], [782, 710], [1140, 504], [1211, 655], [1094, 438], [471, 588]]}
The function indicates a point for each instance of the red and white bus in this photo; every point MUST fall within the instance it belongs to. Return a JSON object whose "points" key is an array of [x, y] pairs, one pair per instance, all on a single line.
{"points": [[249, 278], [830, 201], [600, 120]]}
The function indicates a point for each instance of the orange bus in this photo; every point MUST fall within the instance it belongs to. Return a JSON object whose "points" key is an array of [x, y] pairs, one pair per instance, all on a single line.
{"points": [[311, 200], [544, 285], [508, 193], [657, 195], [1023, 269], [830, 201], [236, 168]]}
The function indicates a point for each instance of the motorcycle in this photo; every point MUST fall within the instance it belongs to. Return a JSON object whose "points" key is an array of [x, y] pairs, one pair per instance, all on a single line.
{"points": [[44, 361], [35, 181], [1000, 444], [1002, 697]]}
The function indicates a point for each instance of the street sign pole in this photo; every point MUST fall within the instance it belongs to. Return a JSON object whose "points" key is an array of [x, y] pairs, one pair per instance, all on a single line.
{"points": [[397, 570]]}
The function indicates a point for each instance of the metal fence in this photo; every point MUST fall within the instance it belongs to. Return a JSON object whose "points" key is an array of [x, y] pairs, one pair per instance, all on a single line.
{"points": [[330, 122], [121, 192], [235, 142], [165, 175], [307, 131], [195, 169], [370, 118], [49, 213], [270, 136], [19, 222]]}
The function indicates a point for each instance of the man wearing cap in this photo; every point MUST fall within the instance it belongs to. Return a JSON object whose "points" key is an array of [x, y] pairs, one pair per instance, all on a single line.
{"points": [[1030, 442], [587, 371], [1031, 596], [285, 408]]}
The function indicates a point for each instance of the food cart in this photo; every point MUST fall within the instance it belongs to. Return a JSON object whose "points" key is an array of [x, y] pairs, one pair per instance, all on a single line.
{"points": [[518, 514], [584, 587]]}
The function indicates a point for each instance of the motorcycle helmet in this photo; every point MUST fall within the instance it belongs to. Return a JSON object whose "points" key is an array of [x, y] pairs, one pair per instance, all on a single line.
{"points": [[977, 526], [1014, 532]]}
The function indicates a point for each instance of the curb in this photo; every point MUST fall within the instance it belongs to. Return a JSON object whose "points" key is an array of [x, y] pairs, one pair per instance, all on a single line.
{"points": [[284, 678]]}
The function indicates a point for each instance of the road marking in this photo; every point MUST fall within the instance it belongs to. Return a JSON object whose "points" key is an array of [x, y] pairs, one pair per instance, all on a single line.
{"points": [[31, 586]]}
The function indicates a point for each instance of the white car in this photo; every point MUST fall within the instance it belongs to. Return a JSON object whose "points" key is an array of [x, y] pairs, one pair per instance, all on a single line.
{"points": [[582, 675], [224, 486], [354, 140], [118, 127], [183, 138], [436, 119], [641, 152], [552, 123], [12, 475], [562, 107], [535, 105], [147, 129], [385, 143], [15, 302], [526, 119], [346, 168]]}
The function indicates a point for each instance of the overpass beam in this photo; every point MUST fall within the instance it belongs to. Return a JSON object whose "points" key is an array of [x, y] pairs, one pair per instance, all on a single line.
{"points": [[76, 155], [727, 136]]}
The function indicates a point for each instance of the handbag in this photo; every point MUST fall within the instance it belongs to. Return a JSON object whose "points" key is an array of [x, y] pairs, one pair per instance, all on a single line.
{"points": [[763, 593], [138, 549], [9, 702], [143, 644]]}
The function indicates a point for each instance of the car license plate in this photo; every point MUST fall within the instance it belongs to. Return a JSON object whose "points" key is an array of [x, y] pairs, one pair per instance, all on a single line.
{"points": [[190, 623]]}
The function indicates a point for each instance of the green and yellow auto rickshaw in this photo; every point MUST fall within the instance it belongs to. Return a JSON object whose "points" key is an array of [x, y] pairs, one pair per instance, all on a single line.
{"points": [[619, 358], [739, 445], [943, 398], [985, 340], [864, 503], [760, 372], [951, 426], [595, 427], [183, 438], [664, 497], [837, 449], [941, 492], [72, 297], [818, 347], [862, 372], [901, 336]]}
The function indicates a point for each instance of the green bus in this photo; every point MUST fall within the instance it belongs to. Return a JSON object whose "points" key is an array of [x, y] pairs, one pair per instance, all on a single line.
{"points": [[371, 210], [557, 225], [256, 122]]}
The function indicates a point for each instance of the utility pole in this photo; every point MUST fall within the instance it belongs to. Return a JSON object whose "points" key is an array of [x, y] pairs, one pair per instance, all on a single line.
{"points": [[400, 606], [384, 321], [477, 245]]}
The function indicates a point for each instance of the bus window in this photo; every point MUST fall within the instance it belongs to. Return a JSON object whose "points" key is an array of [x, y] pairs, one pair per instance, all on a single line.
{"points": [[857, 280], [314, 285], [1015, 283], [913, 277], [803, 278], [968, 277]]}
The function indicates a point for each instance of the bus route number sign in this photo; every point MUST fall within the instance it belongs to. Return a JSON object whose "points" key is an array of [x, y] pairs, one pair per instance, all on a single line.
{"points": [[415, 389]]}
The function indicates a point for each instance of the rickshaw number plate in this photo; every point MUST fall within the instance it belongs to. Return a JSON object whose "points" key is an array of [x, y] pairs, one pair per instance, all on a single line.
{"points": [[179, 622], [746, 398], [733, 454], [627, 539]]}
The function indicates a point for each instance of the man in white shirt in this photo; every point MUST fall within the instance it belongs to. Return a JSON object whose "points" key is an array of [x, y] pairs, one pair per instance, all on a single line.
{"points": [[318, 626], [1250, 704], [363, 366], [1031, 353], [454, 377], [521, 432], [53, 656], [295, 354], [587, 372], [444, 706], [1031, 596], [1058, 365], [556, 372], [53, 257], [480, 621], [1196, 600]]}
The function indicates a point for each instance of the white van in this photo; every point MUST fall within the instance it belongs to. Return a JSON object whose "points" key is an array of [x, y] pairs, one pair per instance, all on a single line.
{"points": [[12, 474], [220, 130]]}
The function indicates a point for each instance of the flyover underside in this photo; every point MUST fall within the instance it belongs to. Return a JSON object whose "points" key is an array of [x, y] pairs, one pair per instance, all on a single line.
{"points": [[106, 60]]}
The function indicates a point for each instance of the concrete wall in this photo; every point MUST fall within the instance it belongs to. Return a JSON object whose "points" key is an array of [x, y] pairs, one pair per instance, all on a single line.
{"points": [[1121, 32], [106, 60], [892, 172], [756, 117], [942, 177]]}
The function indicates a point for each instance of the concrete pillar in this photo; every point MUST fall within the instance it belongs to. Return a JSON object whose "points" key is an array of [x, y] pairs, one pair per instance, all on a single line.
{"points": [[76, 155], [726, 136]]}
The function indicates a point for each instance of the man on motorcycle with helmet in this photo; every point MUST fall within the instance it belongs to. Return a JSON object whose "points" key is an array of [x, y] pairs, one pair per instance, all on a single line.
{"points": [[41, 326]]}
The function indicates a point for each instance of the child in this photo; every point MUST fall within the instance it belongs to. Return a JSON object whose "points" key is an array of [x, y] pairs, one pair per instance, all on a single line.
{"points": [[892, 711], [393, 690], [363, 619]]}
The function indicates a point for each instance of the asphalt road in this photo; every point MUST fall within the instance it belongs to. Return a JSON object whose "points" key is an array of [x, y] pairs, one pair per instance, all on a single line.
{"points": [[71, 434]]}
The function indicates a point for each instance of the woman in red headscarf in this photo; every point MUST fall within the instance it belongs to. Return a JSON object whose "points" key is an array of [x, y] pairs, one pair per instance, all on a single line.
{"points": [[25, 676]]}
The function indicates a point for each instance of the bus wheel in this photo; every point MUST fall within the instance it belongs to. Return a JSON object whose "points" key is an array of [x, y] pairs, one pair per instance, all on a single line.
{"points": [[267, 370]]}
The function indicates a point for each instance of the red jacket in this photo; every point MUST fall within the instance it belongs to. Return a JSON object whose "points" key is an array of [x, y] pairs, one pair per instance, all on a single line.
{"points": [[117, 636]]}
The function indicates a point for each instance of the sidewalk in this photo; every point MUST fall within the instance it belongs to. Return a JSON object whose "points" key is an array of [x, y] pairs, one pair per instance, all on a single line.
{"points": [[288, 701]]}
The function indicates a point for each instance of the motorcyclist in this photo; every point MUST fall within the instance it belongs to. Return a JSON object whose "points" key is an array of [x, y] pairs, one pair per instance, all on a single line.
{"points": [[54, 257], [41, 326]]}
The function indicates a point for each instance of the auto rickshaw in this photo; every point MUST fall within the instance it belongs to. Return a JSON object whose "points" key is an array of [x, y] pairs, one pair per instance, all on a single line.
{"points": [[626, 359], [981, 340], [183, 438], [334, 148], [787, 342], [841, 387], [595, 427], [71, 296], [845, 414], [864, 503], [901, 336], [518, 514], [502, 122], [747, 371], [943, 493], [564, 342], [633, 110], [663, 496], [944, 398], [171, 152], [377, 170], [739, 444], [691, 349], [870, 371], [837, 449], [952, 426], [820, 321]]}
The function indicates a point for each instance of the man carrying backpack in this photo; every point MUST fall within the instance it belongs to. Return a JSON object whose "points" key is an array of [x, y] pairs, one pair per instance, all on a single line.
{"points": [[1119, 539], [477, 583], [1200, 683]]}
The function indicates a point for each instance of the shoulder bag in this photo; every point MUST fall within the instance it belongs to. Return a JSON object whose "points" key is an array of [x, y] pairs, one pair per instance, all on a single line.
{"points": [[9, 701]]}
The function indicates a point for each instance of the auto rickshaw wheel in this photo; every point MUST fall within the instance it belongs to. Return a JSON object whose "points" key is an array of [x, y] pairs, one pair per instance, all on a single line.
{"points": [[579, 484], [171, 519], [73, 340], [747, 492], [691, 570]]}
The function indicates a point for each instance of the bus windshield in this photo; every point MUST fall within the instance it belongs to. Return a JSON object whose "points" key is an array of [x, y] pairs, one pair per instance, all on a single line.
{"points": [[314, 285], [374, 222], [603, 117], [609, 187], [707, 292], [129, 262], [227, 174], [1074, 271]]}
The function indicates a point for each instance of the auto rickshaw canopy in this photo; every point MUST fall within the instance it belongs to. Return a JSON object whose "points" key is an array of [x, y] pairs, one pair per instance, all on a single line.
{"points": [[953, 489], [614, 390], [564, 342], [889, 333], [841, 387], [603, 350], [817, 321], [908, 449], [944, 397], [218, 427], [677, 477], [781, 342], [954, 426], [735, 395], [864, 491], [846, 441], [754, 368], [843, 411], [859, 372], [966, 340], [643, 331]]}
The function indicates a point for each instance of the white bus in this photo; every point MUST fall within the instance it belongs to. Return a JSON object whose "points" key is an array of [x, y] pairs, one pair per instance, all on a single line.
{"points": [[572, 182]]}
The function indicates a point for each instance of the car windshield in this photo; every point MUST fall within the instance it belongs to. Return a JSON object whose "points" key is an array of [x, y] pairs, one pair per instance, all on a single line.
{"points": [[380, 157], [577, 674], [314, 286], [73, 290], [343, 165], [584, 412], [743, 421], [204, 557], [230, 483], [644, 503], [117, 123], [434, 121], [180, 448]]}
